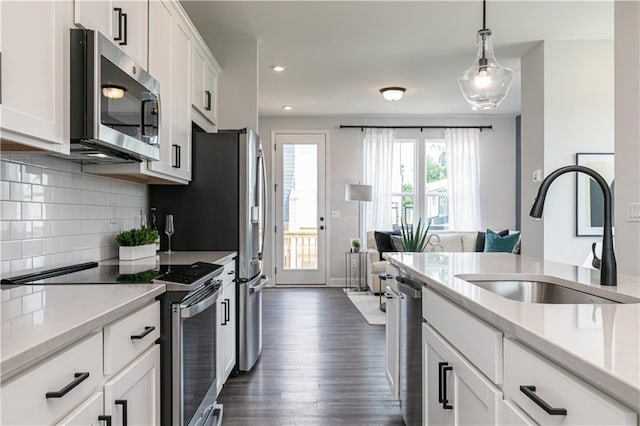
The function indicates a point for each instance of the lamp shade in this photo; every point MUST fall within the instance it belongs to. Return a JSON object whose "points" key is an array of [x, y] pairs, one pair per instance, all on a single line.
{"points": [[357, 192]]}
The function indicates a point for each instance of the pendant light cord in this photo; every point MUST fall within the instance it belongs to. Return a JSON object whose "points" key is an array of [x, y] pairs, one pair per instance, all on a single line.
{"points": [[484, 14]]}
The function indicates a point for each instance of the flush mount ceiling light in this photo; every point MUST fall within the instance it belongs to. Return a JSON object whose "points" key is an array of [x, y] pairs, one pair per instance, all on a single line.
{"points": [[113, 91], [486, 83], [287, 107], [392, 93], [278, 68]]}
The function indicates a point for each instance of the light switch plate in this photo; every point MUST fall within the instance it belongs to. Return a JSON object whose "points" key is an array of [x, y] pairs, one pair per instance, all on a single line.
{"points": [[633, 212], [537, 175], [335, 214]]}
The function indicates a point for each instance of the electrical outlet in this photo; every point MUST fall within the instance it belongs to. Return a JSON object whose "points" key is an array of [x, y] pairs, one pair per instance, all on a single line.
{"points": [[112, 213], [633, 212], [537, 175]]}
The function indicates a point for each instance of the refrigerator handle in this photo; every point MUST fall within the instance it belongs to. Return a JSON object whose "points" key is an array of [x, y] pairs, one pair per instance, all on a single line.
{"points": [[264, 201]]}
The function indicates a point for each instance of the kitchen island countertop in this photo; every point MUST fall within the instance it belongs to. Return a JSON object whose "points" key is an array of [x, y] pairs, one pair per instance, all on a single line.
{"points": [[599, 343]]}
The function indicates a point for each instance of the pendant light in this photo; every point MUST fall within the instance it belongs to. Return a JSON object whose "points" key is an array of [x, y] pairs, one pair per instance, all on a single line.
{"points": [[486, 83]]}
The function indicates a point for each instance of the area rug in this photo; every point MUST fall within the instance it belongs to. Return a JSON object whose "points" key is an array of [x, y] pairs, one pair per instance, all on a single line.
{"points": [[369, 307]]}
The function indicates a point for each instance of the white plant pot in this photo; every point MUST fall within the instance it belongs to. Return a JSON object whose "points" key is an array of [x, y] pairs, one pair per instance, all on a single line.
{"points": [[137, 252]]}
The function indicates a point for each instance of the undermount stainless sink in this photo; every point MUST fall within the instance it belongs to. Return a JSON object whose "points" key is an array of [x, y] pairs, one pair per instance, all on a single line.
{"points": [[538, 292]]}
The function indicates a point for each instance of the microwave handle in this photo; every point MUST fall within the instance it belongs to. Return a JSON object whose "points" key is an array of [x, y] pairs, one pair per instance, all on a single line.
{"points": [[142, 107]]}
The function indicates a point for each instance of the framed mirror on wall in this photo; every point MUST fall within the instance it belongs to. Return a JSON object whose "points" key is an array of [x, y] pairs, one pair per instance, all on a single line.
{"points": [[589, 197]]}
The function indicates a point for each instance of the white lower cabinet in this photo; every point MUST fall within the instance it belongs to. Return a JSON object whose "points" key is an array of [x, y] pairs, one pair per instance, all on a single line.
{"points": [[543, 390], [513, 416], [90, 412], [455, 392], [132, 396], [229, 331], [392, 342], [69, 388]]}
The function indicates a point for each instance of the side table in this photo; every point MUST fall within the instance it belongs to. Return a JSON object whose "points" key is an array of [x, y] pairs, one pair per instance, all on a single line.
{"points": [[355, 270], [383, 277]]}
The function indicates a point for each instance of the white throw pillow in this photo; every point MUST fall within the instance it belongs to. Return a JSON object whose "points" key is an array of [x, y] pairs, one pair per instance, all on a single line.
{"points": [[445, 243]]}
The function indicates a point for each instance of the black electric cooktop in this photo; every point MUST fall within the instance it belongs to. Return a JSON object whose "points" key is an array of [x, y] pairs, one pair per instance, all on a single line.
{"points": [[93, 273]]}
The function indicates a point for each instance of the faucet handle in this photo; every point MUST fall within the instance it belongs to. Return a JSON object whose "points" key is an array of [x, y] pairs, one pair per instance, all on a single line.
{"points": [[596, 263]]}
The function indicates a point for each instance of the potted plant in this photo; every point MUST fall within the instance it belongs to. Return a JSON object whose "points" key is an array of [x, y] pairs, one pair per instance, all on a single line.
{"points": [[414, 240], [137, 243], [355, 245]]}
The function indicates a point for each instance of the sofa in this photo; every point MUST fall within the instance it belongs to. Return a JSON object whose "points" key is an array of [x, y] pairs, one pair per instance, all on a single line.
{"points": [[440, 241]]}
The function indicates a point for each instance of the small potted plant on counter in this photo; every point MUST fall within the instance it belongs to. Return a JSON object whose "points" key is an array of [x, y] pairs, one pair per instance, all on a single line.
{"points": [[137, 243], [355, 245]]}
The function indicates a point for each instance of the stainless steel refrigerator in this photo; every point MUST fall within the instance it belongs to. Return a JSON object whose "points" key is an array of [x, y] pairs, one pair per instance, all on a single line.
{"points": [[224, 209]]}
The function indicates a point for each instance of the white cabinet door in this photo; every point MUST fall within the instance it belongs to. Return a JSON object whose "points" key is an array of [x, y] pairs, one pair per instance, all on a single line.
{"points": [[229, 330], [198, 98], [204, 87], [511, 415], [133, 396], [468, 398], [35, 72], [170, 64], [130, 29], [210, 92], [392, 347], [89, 413], [94, 15]]}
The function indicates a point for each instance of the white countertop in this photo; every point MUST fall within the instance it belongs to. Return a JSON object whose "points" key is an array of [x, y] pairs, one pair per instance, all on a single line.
{"points": [[38, 320], [599, 343]]}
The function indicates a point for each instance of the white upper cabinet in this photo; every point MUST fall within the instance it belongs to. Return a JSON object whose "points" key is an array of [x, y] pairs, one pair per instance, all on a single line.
{"points": [[35, 72], [204, 87], [125, 22]]}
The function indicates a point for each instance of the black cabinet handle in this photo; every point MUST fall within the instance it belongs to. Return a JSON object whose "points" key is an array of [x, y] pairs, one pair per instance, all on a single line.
{"points": [[105, 419], [231, 273], [119, 11], [123, 402], [125, 30], [147, 330], [177, 154], [79, 378], [530, 391], [224, 303], [440, 365], [207, 94], [445, 401], [227, 311]]}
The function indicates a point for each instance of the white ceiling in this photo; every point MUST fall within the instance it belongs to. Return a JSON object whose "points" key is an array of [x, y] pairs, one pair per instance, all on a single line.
{"points": [[340, 53]]}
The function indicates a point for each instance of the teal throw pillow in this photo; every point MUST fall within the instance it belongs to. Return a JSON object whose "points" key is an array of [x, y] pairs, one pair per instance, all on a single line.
{"points": [[495, 243]]}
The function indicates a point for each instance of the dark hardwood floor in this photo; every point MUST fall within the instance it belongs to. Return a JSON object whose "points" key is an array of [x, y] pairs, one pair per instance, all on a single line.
{"points": [[321, 363]]}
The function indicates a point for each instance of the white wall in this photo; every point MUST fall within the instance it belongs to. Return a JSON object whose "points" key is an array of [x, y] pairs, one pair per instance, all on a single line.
{"points": [[54, 214], [238, 82], [497, 171], [627, 123], [568, 107]]}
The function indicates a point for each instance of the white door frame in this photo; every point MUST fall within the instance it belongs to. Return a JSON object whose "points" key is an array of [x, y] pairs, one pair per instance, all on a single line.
{"points": [[327, 197]]}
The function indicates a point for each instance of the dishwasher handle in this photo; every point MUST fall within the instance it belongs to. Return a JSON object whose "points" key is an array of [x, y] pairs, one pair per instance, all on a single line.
{"points": [[409, 287]]}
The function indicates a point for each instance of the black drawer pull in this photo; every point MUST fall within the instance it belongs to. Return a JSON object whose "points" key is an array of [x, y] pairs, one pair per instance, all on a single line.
{"points": [[530, 391], [118, 10], [126, 30], [445, 401], [106, 419], [227, 311], [208, 100], [224, 303], [440, 365], [79, 378], [123, 402], [142, 335]]}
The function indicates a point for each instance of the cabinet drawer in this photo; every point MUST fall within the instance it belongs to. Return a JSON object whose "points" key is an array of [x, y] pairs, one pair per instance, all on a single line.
{"points": [[127, 338], [478, 341], [24, 398], [229, 273], [584, 404]]}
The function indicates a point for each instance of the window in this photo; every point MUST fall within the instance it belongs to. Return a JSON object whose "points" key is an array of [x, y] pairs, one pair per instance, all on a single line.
{"points": [[419, 182]]}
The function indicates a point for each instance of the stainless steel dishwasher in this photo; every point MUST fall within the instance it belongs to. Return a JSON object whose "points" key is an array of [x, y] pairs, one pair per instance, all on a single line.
{"points": [[410, 349]]}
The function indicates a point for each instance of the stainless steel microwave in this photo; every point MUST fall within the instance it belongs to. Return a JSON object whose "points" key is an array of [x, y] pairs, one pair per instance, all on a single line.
{"points": [[115, 103]]}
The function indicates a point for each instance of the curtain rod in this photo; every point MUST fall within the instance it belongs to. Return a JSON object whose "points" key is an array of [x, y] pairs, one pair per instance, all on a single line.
{"points": [[343, 126]]}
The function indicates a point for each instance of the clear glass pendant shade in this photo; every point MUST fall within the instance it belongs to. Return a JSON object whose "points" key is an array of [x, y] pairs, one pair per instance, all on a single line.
{"points": [[486, 83]]}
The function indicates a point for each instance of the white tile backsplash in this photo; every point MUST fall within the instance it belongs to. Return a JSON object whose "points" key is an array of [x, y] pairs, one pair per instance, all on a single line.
{"points": [[52, 213]]}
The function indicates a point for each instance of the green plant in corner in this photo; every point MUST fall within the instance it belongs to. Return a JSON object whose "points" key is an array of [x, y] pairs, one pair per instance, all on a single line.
{"points": [[137, 237], [414, 240]]}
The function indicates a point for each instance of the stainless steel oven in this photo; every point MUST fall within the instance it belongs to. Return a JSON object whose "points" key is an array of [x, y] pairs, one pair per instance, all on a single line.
{"points": [[115, 103], [193, 347]]}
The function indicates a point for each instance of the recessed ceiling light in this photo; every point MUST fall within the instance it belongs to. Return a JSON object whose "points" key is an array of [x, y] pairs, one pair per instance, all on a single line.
{"points": [[278, 68], [287, 107], [392, 93]]}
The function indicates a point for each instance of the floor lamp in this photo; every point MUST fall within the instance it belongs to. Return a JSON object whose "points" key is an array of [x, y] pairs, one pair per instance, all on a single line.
{"points": [[359, 193]]}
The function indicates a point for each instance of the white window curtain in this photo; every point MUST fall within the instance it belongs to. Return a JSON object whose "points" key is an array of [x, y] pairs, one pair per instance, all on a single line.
{"points": [[463, 173], [377, 167]]}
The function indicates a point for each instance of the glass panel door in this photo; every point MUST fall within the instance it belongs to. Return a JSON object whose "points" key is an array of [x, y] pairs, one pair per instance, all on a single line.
{"points": [[301, 223]]}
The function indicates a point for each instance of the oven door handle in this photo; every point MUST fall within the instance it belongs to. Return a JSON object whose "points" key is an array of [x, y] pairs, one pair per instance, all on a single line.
{"points": [[189, 311]]}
